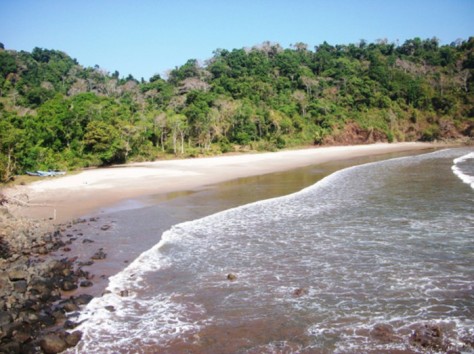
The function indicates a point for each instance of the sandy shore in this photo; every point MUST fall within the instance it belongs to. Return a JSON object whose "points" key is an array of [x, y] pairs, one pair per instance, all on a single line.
{"points": [[75, 195]]}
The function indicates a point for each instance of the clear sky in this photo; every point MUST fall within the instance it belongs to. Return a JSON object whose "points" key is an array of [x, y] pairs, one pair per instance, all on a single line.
{"points": [[147, 37]]}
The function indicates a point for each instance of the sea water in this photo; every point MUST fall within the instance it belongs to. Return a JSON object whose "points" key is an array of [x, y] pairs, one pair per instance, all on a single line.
{"points": [[386, 243]]}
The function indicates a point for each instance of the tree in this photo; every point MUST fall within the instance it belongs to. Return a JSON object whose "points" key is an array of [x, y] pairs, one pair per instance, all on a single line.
{"points": [[9, 140], [102, 140], [178, 125]]}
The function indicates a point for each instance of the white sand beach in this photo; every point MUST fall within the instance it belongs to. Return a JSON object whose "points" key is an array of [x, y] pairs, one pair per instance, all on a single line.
{"points": [[64, 198]]}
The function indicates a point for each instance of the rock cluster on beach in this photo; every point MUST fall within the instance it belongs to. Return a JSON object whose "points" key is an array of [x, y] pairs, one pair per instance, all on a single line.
{"points": [[35, 314]]}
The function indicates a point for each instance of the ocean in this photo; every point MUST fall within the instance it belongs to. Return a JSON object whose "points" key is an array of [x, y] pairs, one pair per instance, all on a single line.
{"points": [[385, 246]]}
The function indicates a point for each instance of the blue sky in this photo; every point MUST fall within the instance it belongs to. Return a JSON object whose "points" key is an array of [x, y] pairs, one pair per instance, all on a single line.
{"points": [[147, 37]]}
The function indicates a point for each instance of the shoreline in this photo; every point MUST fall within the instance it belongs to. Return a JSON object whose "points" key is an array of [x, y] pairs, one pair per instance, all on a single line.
{"points": [[93, 248], [62, 199]]}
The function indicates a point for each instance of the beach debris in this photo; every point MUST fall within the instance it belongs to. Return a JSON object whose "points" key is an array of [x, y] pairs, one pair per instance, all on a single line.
{"points": [[231, 277], [124, 293]]}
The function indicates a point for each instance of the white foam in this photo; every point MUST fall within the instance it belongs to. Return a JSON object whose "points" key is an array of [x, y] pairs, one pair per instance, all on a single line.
{"points": [[458, 172]]}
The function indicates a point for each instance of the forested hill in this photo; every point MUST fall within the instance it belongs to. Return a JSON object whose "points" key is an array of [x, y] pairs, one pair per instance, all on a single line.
{"points": [[57, 114]]}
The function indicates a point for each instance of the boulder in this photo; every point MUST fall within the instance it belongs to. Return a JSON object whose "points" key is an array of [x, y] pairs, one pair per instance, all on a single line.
{"points": [[73, 338], [383, 333], [52, 344], [428, 336], [83, 299]]}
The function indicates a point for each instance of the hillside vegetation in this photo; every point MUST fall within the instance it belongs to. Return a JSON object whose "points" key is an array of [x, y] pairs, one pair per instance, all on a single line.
{"points": [[57, 114]]}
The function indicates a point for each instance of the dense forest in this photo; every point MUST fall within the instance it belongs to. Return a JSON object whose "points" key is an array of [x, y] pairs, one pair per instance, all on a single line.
{"points": [[57, 114]]}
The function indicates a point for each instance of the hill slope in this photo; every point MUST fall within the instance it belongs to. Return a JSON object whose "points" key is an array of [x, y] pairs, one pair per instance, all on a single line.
{"points": [[57, 114]]}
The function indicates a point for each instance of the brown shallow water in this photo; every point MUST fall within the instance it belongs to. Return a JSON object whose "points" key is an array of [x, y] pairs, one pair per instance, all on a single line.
{"points": [[317, 270], [135, 225]]}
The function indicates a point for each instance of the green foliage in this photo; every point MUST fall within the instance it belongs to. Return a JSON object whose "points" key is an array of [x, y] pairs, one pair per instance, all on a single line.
{"points": [[54, 113]]}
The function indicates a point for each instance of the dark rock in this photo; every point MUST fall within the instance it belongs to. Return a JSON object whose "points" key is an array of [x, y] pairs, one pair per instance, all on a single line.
{"points": [[110, 308], [5, 318], [30, 317], [80, 221], [73, 338], [70, 324], [52, 344], [59, 314], [81, 273], [69, 306], [124, 293], [83, 299], [100, 254], [428, 336], [105, 227], [67, 249], [86, 284], [93, 219], [47, 319], [383, 333], [231, 277], [86, 240], [88, 263], [20, 286], [69, 284], [42, 288], [11, 347], [299, 292], [21, 336]]}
